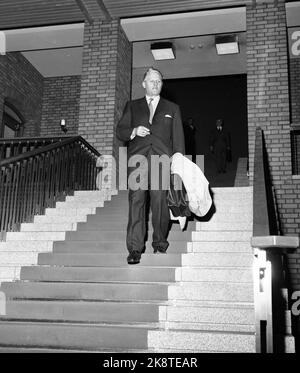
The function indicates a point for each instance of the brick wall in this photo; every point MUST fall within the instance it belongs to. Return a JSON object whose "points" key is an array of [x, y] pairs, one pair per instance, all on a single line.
{"points": [[60, 101], [295, 89], [123, 85], [268, 107], [105, 83], [22, 85]]}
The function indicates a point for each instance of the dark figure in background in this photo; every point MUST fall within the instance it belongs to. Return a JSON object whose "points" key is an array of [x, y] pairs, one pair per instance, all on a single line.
{"points": [[220, 145], [190, 141], [152, 126]]}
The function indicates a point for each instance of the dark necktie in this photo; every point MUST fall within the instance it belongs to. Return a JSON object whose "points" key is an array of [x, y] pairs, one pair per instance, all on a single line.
{"points": [[151, 108]]}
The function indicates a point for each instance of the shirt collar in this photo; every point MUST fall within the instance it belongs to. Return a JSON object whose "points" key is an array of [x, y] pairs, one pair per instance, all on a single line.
{"points": [[155, 98]]}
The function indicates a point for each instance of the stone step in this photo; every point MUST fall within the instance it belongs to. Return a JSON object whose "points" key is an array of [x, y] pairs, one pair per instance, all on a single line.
{"points": [[120, 235], [104, 217], [232, 190], [222, 236], [237, 318], [74, 212], [32, 350], [224, 217], [106, 260], [223, 226], [79, 204], [35, 236], [242, 207], [9, 272], [212, 291], [202, 340], [109, 247], [112, 226], [88, 198], [243, 199], [216, 259], [220, 247], [118, 291], [26, 246], [98, 274], [28, 350], [43, 219], [95, 193], [73, 335], [233, 207], [18, 258], [213, 327], [49, 227], [211, 274], [82, 311]]}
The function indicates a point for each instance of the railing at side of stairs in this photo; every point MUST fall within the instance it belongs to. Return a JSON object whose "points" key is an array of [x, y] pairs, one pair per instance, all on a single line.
{"points": [[19, 145], [33, 180], [272, 315]]}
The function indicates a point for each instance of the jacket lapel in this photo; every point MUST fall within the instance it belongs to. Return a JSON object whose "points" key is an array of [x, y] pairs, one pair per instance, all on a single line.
{"points": [[160, 107]]}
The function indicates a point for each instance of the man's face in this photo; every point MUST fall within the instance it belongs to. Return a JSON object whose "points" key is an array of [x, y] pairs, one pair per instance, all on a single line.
{"points": [[152, 83]]}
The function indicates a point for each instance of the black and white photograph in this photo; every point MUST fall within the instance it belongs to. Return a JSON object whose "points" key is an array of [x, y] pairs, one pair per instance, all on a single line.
{"points": [[149, 182]]}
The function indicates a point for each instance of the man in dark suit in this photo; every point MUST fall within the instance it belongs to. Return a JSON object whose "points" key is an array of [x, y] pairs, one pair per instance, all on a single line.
{"points": [[220, 145], [152, 126]]}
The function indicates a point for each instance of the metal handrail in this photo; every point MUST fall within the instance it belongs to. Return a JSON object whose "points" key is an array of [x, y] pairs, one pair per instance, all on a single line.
{"points": [[32, 181], [10, 147], [269, 246], [47, 148]]}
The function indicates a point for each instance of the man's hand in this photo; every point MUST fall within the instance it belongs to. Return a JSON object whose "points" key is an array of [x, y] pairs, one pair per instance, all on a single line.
{"points": [[141, 131]]}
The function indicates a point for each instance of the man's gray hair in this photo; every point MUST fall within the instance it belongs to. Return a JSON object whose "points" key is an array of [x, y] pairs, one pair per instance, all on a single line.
{"points": [[152, 69]]}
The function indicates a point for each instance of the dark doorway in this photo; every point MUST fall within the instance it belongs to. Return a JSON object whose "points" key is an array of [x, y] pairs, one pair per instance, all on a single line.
{"points": [[206, 100], [12, 122]]}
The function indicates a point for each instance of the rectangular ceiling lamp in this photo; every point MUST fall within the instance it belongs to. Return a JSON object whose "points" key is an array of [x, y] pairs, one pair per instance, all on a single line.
{"points": [[227, 44], [163, 51]]}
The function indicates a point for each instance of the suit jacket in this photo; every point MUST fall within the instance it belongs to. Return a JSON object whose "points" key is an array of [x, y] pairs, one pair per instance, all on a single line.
{"points": [[219, 139], [166, 131]]}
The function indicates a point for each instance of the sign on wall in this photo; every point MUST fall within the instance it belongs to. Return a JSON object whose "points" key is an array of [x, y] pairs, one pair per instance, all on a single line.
{"points": [[2, 43], [294, 41]]}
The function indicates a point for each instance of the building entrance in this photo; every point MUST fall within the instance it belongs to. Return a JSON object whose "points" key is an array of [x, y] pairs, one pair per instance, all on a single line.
{"points": [[205, 100]]}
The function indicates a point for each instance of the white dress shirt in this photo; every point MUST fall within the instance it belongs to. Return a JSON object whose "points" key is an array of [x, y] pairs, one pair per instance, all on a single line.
{"points": [[155, 101]]}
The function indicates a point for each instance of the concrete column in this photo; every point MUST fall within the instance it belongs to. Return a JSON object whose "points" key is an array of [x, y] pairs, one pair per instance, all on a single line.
{"points": [[268, 85], [105, 83]]}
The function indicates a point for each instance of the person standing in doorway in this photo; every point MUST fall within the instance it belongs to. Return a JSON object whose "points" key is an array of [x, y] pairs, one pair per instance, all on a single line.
{"points": [[220, 145], [190, 138], [151, 126]]}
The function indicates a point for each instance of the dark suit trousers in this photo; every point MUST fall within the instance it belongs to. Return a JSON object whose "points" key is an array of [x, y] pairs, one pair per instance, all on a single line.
{"points": [[136, 229], [220, 152]]}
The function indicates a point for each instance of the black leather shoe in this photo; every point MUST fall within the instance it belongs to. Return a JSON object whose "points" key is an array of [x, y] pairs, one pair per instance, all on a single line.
{"points": [[159, 250], [134, 257]]}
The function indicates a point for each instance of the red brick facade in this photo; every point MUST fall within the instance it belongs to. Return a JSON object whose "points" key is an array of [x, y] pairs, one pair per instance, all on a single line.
{"points": [[105, 83], [22, 85], [269, 108], [60, 101], [295, 90]]}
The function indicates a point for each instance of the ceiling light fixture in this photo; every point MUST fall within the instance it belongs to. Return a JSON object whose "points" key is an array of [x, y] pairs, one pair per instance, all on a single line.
{"points": [[227, 44], [163, 51]]}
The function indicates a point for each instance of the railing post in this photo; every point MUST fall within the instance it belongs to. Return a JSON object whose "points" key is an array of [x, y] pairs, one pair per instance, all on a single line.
{"points": [[263, 301]]}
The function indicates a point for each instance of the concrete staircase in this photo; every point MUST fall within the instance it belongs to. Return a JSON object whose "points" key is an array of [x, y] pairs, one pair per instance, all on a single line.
{"points": [[82, 295], [22, 248]]}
